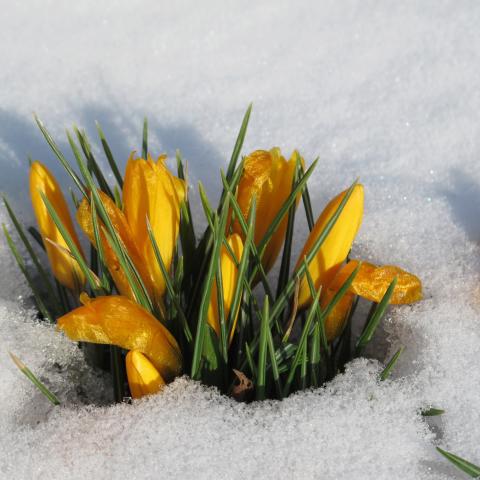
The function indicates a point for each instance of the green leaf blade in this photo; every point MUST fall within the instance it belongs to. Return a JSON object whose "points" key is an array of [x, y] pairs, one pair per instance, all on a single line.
{"points": [[29, 374], [462, 464]]}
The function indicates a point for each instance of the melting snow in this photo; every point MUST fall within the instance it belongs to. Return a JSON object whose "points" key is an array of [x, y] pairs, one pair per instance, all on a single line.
{"points": [[384, 91]]}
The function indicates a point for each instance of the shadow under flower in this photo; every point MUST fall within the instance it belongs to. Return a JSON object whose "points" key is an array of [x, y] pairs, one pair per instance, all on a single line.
{"points": [[464, 200], [21, 138]]}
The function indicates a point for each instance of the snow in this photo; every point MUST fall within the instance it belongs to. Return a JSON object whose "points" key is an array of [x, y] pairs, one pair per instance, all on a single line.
{"points": [[384, 91]]}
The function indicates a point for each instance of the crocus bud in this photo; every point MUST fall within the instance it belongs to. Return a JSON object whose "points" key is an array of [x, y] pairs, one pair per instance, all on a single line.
{"points": [[334, 250], [229, 271], [143, 377], [267, 176], [151, 191], [127, 237], [116, 320], [65, 268]]}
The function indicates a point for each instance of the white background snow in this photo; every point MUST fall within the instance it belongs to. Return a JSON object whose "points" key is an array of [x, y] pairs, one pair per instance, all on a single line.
{"points": [[387, 91]]}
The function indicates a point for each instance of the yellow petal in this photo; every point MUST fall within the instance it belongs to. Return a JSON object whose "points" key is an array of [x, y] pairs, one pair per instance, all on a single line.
{"points": [[143, 377], [335, 321], [371, 282], [229, 282], [336, 246], [64, 267], [268, 176], [151, 191], [119, 222], [116, 320]]}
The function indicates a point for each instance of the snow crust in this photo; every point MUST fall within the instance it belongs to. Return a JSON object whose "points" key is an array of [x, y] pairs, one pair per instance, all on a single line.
{"points": [[384, 91]]}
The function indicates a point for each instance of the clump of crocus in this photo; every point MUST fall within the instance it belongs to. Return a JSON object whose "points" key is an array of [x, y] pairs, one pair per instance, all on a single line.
{"points": [[167, 299]]}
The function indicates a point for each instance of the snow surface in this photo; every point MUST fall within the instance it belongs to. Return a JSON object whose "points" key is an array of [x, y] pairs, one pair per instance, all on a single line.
{"points": [[387, 91]]}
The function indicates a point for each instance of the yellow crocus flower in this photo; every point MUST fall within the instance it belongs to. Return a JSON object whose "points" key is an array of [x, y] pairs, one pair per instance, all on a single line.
{"points": [[334, 250], [268, 176], [65, 268], [327, 268], [116, 320], [126, 235], [143, 377], [229, 271], [151, 191], [371, 282]]}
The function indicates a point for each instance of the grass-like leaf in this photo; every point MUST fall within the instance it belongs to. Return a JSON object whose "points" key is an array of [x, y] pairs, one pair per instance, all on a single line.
{"points": [[389, 367], [283, 354], [221, 309], [260, 385], [303, 367], [242, 269], [461, 463], [92, 163], [168, 282], [35, 234], [187, 229], [29, 374], [274, 364], [250, 361], [207, 289], [244, 226], [307, 203], [74, 251], [375, 319], [207, 208], [133, 277], [293, 312], [45, 278], [239, 143], [342, 290], [301, 344], [232, 170], [287, 246], [31, 283], [320, 316], [145, 139], [99, 247], [315, 356], [318, 338], [292, 198], [432, 412], [117, 196], [61, 157], [109, 155]]}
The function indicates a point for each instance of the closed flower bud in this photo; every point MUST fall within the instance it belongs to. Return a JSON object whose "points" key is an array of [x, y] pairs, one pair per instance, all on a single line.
{"points": [[126, 235], [229, 271], [334, 250], [143, 377], [267, 176], [65, 268], [151, 191]]}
